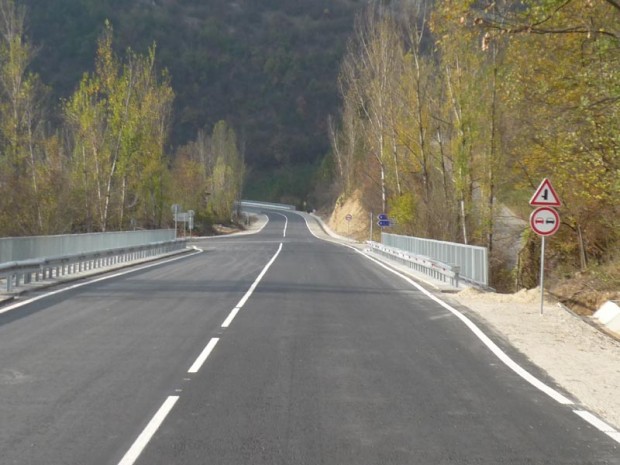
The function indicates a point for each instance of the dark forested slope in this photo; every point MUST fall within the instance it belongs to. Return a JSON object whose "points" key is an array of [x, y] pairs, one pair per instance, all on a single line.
{"points": [[267, 67]]}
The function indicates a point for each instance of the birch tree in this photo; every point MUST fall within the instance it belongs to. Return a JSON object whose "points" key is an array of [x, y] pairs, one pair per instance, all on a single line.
{"points": [[367, 78], [118, 118], [20, 125]]}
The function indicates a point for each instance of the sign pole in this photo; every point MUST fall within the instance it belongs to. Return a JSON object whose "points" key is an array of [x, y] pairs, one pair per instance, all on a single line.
{"points": [[175, 212], [544, 221], [542, 274], [371, 218]]}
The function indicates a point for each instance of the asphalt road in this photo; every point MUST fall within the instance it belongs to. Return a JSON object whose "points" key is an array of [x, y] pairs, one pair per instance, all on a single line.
{"points": [[273, 348]]}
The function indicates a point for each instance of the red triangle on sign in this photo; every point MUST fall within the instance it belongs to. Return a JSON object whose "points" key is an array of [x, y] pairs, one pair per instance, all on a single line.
{"points": [[545, 195]]}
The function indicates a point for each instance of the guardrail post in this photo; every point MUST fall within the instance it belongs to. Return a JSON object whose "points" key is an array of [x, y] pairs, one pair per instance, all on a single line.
{"points": [[456, 270]]}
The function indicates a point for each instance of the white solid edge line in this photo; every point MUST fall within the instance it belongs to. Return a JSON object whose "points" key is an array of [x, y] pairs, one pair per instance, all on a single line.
{"points": [[494, 348], [585, 415], [149, 431], [231, 317], [285, 222], [203, 356], [599, 424], [311, 231], [95, 280]]}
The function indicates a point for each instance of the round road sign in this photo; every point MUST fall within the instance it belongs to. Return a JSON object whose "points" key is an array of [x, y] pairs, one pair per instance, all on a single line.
{"points": [[349, 217], [545, 221]]}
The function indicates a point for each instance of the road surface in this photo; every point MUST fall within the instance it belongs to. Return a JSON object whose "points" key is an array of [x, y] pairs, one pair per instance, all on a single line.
{"points": [[273, 348]]}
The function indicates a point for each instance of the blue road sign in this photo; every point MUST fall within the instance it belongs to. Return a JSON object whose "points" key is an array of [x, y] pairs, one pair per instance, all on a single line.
{"points": [[384, 223], [382, 217]]}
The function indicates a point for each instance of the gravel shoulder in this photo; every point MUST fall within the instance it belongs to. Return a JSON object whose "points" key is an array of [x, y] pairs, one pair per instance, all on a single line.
{"points": [[578, 356]]}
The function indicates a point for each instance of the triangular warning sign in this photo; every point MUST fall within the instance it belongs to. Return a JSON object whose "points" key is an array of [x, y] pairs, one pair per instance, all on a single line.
{"points": [[545, 195]]}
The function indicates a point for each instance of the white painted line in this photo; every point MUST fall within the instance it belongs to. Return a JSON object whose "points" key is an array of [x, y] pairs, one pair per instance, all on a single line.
{"points": [[310, 229], [96, 280], [138, 446], [499, 353], [231, 317], [203, 356], [599, 424], [250, 291], [285, 222]]}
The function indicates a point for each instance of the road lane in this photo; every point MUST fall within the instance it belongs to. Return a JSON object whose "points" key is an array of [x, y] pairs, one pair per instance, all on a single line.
{"points": [[335, 361], [81, 371], [331, 359]]}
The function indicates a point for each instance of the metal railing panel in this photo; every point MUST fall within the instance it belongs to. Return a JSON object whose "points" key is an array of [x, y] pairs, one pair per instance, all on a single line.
{"points": [[273, 206], [17, 273], [25, 248], [448, 274], [473, 261]]}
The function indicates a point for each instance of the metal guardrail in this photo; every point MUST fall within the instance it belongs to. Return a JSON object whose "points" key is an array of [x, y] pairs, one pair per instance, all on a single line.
{"points": [[472, 260], [440, 271], [24, 248], [22, 272], [274, 206]]}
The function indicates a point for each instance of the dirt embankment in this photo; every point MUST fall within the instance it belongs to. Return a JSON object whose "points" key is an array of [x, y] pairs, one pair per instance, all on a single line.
{"points": [[355, 226]]}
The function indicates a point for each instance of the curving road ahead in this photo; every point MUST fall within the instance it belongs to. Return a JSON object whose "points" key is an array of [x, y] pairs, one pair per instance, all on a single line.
{"points": [[273, 348]]}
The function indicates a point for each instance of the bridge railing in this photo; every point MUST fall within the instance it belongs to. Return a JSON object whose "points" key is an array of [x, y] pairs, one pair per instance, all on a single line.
{"points": [[273, 206], [24, 260], [472, 261], [438, 271], [25, 248], [18, 273]]}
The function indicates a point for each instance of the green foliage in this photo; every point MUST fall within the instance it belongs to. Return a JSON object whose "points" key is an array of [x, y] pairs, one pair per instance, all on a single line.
{"points": [[268, 67], [22, 162], [403, 210], [208, 176], [289, 184], [117, 121], [516, 95]]}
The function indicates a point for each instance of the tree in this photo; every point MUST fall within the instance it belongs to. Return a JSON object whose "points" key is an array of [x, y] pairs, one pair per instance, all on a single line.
{"points": [[208, 174], [228, 172], [118, 119], [568, 111], [367, 78], [20, 126]]}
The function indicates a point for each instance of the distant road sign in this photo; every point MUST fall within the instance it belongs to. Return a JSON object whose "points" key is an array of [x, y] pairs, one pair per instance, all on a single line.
{"points": [[382, 217], [349, 217], [384, 223], [545, 221], [545, 196]]}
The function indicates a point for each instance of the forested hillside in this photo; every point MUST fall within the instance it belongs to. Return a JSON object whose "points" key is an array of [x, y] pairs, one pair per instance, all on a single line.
{"points": [[99, 159], [269, 68], [112, 110], [451, 107], [439, 113]]}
